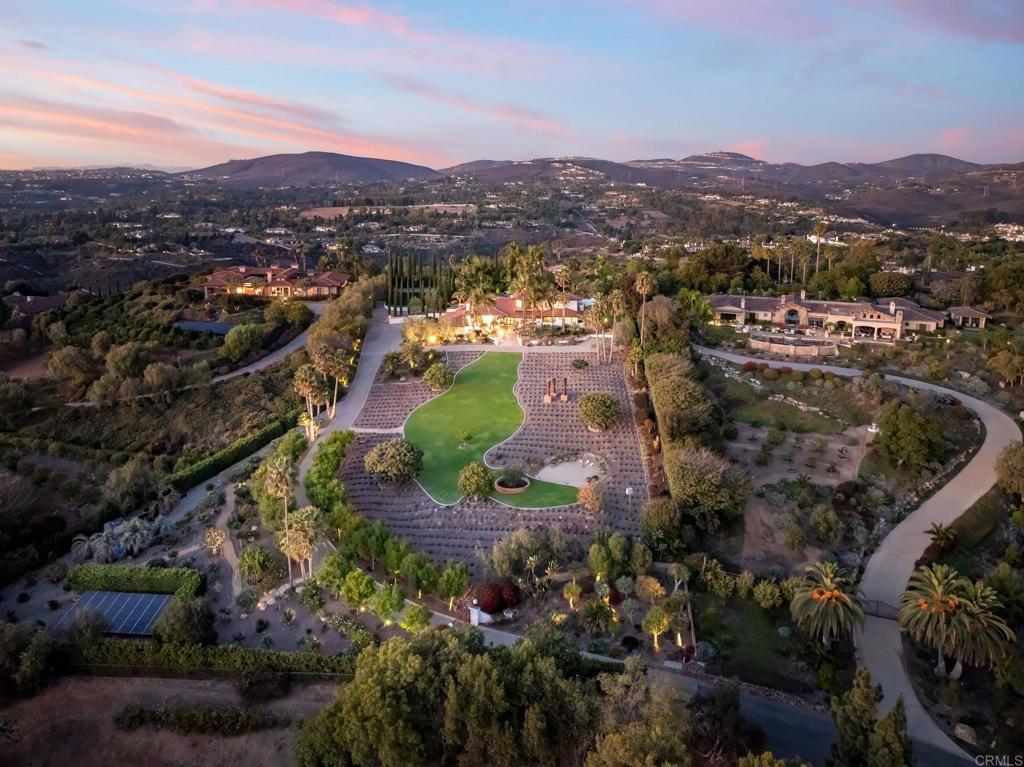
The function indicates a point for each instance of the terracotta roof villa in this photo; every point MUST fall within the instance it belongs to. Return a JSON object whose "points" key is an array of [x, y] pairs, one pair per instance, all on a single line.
{"points": [[886, 319], [275, 282], [514, 309]]}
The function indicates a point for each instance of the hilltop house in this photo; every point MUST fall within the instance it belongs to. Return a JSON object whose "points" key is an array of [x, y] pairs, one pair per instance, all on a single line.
{"points": [[508, 312], [888, 319], [275, 282]]}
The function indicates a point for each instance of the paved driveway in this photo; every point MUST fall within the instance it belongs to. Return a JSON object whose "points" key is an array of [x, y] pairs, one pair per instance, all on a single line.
{"points": [[878, 641]]}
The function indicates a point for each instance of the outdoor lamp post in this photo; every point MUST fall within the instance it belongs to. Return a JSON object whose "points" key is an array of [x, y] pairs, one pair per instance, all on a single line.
{"points": [[629, 500]]}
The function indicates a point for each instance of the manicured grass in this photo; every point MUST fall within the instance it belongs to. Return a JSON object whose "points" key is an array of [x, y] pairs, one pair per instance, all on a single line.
{"points": [[482, 406]]}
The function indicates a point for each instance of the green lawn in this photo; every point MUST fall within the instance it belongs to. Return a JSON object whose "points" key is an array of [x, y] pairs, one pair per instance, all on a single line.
{"points": [[482, 405]]}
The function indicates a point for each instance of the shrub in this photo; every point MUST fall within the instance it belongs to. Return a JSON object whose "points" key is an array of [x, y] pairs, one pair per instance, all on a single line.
{"points": [[186, 622], [183, 582], [190, 476], [706, 485], [190, 659], [770, 374], [356, 633], [826, 524], [476, 481], [438, 376], [767, 594], [744, 583], [186, 720], [794, 537], [599, 410], [589, 497], [322, 486], [749, 367], [397, 460]]}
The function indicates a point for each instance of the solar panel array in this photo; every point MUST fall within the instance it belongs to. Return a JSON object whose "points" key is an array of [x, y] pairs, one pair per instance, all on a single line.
{"points": [[127, 614]]}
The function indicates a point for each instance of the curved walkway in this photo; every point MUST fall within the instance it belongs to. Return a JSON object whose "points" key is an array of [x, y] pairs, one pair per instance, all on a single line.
{"points": [[381, 338], [878, 641]]}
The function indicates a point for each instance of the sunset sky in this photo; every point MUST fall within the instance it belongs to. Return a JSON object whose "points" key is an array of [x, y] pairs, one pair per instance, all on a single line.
{"points": [[95, 82]]}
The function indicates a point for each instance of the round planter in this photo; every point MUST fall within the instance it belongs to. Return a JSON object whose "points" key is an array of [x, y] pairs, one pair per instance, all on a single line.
{"points": [[595, 429], [510, 490]]}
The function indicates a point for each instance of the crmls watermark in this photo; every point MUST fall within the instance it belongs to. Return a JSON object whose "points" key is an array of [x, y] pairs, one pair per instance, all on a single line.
{"points": [[1000, 760]]}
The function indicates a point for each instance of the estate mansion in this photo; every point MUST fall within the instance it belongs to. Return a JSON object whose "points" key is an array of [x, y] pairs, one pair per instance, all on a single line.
{"points": [[887, 319], [275, 282], [508, 312]]}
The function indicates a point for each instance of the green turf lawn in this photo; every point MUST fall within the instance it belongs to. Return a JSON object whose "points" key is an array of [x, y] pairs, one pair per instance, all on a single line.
{"points": [[481, 403]]}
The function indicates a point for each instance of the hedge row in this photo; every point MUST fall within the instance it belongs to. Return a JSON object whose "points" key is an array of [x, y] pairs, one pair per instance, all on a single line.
{"points": [[190, 476], [322, 487], [223, 720], [356, 633], [180, 581], [143, 654]]}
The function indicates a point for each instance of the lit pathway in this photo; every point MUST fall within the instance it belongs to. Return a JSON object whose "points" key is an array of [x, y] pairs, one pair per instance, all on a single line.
{"points": [[879, 644]]}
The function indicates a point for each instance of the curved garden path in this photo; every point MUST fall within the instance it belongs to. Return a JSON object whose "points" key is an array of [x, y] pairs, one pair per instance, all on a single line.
{"points": [[878, 641]]}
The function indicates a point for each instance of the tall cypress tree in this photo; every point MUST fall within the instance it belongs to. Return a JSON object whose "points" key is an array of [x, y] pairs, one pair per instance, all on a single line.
{"points": [[856, 714], [889, 745]]}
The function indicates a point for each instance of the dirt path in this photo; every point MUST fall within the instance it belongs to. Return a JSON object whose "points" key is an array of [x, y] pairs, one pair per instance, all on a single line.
{"points": [[71, 723]]}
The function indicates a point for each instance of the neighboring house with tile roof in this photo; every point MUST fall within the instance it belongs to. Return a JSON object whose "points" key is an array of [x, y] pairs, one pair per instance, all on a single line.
{"points": [[887, 319], [275, 282], [32, 305], [968, 317]]}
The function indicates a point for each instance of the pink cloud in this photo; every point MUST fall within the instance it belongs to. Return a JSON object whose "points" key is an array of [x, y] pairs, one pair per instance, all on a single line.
{"points": [[34, 117], [981, 20], [506, 114], [953, 140], [754, 147], [292, 133], [364, 16]]}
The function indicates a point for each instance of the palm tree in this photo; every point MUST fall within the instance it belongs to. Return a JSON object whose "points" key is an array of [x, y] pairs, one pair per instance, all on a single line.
{"points": [[307, 385], [644, 286], [572, 592], [618, 304], [942, 535], [308, 523], [928, 609], [292, 545], [278, 484], [980, 634], [598, 617], [563, 280], [136, 535], [826, 602], [819, 234]]}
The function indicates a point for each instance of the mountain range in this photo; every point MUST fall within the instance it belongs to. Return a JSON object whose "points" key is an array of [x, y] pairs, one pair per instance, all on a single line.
{"points": [[916, 190]]}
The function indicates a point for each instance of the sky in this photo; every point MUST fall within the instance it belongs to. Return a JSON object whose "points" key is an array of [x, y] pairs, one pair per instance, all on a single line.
{"points": [[191, 83]]}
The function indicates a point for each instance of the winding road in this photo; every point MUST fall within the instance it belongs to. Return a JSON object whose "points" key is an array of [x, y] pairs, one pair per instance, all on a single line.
{"points": [[278, 354], [878, 641]]}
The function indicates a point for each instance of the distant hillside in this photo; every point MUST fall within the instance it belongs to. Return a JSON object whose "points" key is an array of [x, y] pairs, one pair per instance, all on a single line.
{"points": [[469, 168], [917, 164], [312, 168]]}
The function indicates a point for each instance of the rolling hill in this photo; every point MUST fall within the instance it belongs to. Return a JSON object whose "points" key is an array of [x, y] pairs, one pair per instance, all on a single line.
{"points": [[311, 168]]}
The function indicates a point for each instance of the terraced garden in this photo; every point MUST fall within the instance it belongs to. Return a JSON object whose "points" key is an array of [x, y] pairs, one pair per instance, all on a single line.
{"points": [[458, 427]]}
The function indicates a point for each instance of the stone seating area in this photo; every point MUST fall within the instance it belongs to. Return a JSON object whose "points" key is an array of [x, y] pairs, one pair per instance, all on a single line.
{"points": [[554, 429], [390, 402]]}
